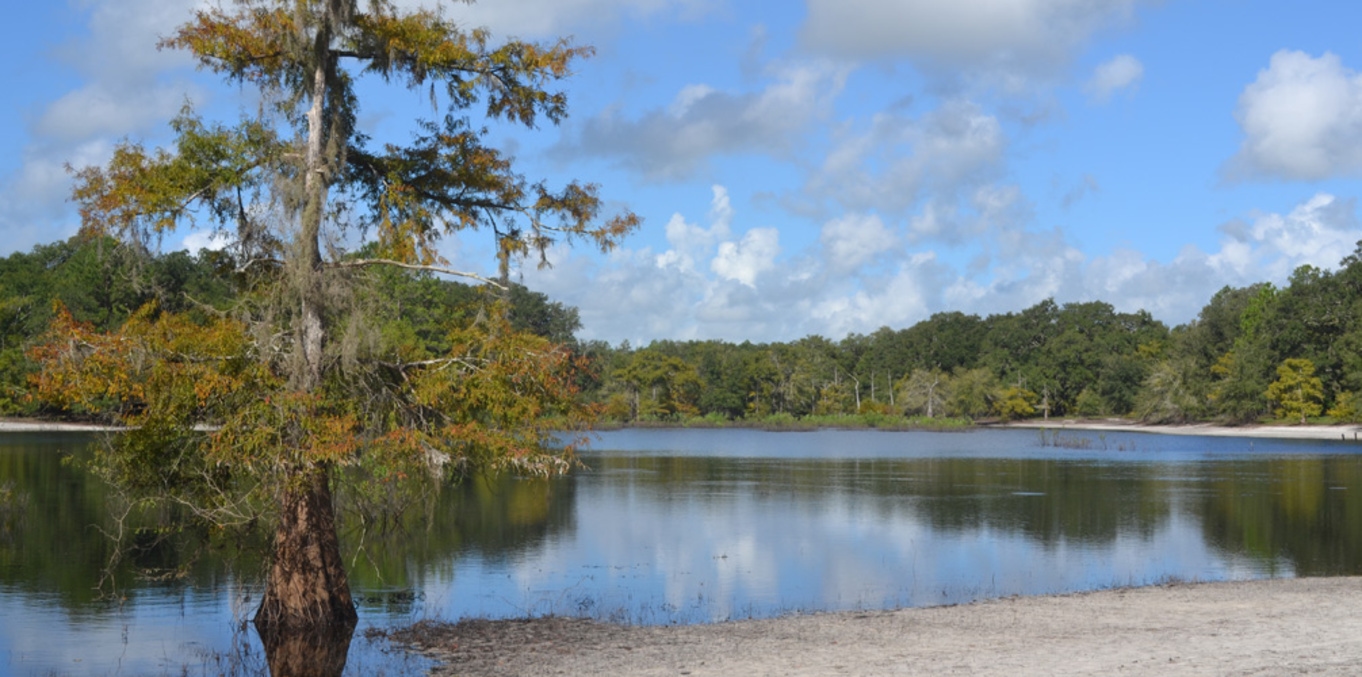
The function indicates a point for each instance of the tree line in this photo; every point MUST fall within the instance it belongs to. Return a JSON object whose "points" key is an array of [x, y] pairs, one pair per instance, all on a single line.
{"points": [[1252, 353]]}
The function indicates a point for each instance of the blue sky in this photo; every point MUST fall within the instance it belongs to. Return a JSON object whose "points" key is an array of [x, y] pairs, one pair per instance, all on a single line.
{"points": [[832, 166]]}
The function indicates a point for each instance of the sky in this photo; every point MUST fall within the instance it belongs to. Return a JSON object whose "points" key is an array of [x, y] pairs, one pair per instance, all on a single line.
{"points": [[827, 166]]}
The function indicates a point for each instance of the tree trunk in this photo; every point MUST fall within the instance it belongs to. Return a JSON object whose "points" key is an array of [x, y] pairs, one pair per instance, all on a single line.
{"points": [[307, 589]]}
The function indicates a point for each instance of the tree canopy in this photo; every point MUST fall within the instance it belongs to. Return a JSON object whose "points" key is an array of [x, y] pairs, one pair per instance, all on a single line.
{"points": [[251, 405]]}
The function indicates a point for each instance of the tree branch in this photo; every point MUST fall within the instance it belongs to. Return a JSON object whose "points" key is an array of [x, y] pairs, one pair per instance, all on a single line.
{"points": [[360, 263]]}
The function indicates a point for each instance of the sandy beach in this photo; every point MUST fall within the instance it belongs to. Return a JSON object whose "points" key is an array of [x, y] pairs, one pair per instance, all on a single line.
{"points": [[1287, 432], [29, 425], [1274, 627]]}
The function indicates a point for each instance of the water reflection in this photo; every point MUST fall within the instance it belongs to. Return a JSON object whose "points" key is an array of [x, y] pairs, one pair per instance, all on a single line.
{"points": [[320, 653], [693, 526]]}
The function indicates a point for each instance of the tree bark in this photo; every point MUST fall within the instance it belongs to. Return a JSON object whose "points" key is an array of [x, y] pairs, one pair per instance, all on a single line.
{"points": [[307, 588]]}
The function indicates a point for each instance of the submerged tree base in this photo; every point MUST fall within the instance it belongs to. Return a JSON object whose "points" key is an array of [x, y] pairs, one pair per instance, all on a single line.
{"points": [[308, 590], [316, 652]]}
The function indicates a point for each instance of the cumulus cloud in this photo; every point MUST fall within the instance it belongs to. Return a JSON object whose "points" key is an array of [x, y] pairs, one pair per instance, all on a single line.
{"points": [[1262, 247], [1302, 119], [859, 276], [1121, 72], [744, 260], [676, 141], [987, 210], [891, 164], [127, 87], [97, 110], [1017, 39], [689, 241], [537, 19], [1316, 232], [210, 240], [853, 240]]}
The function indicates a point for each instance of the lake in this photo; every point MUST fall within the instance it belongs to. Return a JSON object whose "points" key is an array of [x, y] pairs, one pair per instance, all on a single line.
{"points": [[696, 526]]}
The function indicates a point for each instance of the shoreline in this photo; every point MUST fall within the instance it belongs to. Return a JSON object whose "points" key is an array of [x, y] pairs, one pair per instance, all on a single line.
{"points": [[1348, 431], [1270, 626], [1344, 431], [33, 425]]}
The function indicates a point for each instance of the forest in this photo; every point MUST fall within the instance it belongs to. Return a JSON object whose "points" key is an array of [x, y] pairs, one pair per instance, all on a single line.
{"points": [[1252, 354]]}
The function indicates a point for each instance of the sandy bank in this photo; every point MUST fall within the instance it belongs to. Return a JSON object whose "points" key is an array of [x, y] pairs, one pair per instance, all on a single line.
{"points": [[1278, 627], [28, 425], [1299, 432], [1289, 432]]}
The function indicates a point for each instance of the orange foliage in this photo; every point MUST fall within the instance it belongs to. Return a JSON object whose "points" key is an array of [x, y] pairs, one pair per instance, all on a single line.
{"points": [[497, 401]]}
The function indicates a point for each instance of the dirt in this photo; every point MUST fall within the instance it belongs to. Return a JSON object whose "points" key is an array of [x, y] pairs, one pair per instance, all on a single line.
{"points": [[1278, 627]]}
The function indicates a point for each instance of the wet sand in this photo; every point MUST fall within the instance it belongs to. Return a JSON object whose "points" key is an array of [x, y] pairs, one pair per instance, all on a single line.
{"points": [[1276, 627]]}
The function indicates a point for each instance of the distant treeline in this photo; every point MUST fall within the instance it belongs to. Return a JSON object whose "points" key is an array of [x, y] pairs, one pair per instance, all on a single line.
{"points": [[1252, 353]]}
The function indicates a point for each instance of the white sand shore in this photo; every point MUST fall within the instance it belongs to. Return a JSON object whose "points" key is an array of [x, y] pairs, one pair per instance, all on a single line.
{"points": [[26, 425], [1276, 627], [1287, 432]]}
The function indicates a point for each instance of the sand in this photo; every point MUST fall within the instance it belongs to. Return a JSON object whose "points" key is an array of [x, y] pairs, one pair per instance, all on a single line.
{"points": [[1287, 432], [1277, 627], [1297, 432]]}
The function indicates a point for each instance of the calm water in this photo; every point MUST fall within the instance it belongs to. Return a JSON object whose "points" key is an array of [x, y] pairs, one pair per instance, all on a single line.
{"points": [[697, 526]]}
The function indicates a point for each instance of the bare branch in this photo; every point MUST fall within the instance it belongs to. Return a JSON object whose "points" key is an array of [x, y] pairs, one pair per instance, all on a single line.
{"points": [[360, 263], [247, 265]]}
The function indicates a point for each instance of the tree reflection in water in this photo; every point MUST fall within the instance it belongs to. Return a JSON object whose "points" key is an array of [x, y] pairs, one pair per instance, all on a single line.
{"points": [[307, 653], [638, 522]]}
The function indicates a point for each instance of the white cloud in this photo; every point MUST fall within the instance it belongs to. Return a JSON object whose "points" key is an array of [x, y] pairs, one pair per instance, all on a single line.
{"points": [[538, 19], [1121, 72], [678, 140], [1317, 232], [857, 278], [853, 240], [690, 242], [127, 88], [1302, 119], [97, 111], [1266, 247], [888, 167], [1014, 39], [120, 45], [199, 239], [743, 261]]}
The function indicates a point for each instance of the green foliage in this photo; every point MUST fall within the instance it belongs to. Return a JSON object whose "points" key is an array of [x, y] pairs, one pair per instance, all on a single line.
{"points": [[924, 392], [1016, 402], [1297, 391], [662, 386], [1347, 408], [311, 368], [1168, 395], [1089, 403]]}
